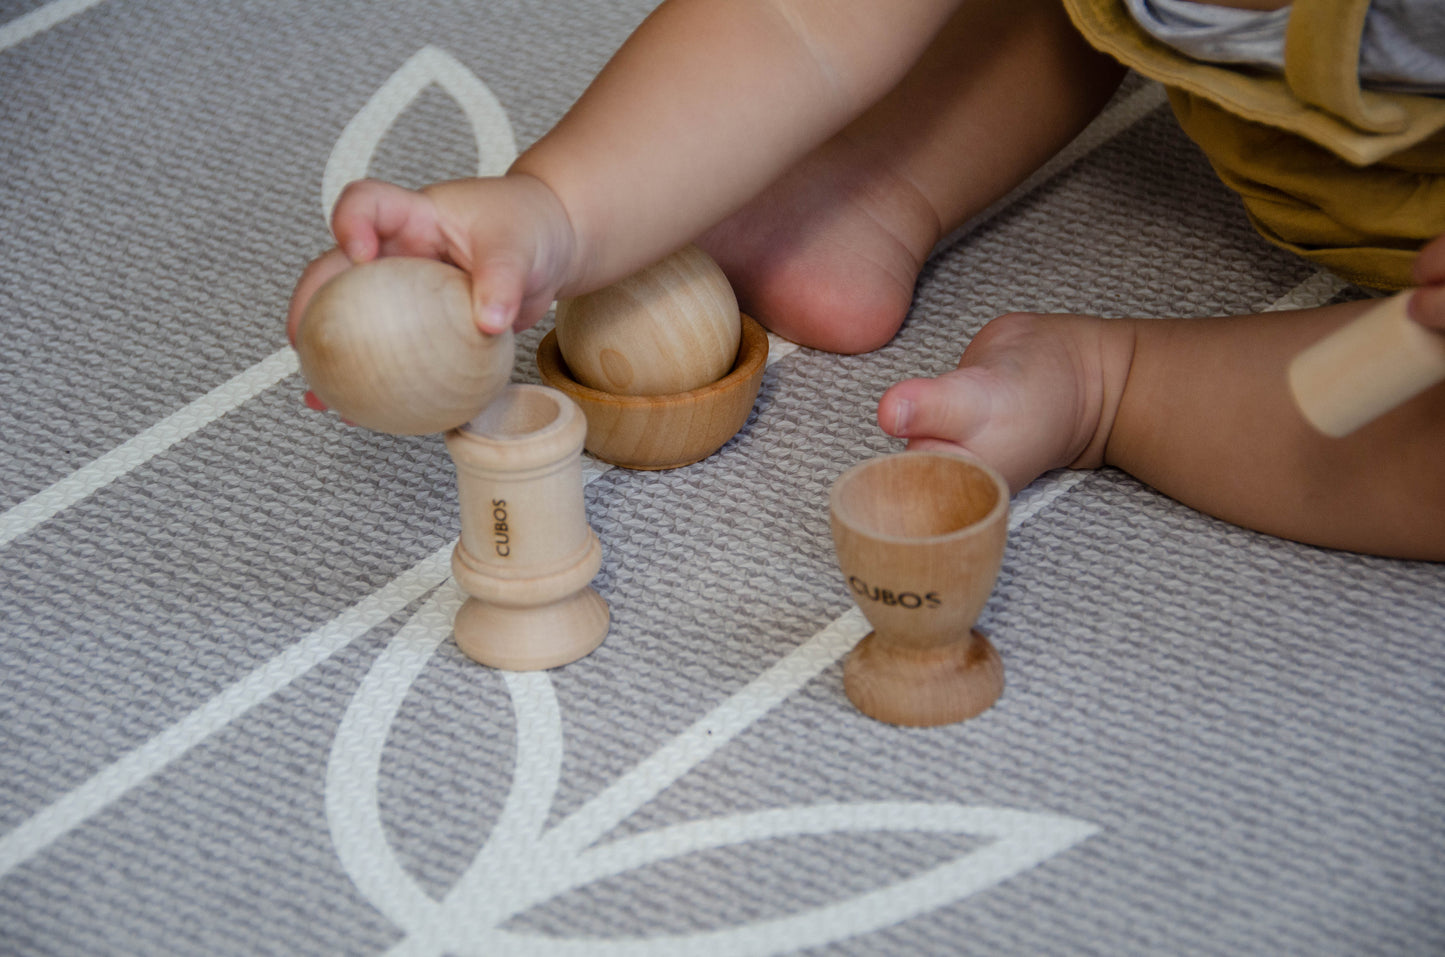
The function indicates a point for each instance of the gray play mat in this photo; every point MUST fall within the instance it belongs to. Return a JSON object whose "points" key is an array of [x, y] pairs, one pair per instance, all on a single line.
{"points": [[232, 719]]}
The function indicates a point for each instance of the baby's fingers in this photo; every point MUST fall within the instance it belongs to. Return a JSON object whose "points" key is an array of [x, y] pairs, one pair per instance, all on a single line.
{"points": [[1429, 266], [1427, 307], [313, 277], [373, 219], [951, 410], [1427, 304]]}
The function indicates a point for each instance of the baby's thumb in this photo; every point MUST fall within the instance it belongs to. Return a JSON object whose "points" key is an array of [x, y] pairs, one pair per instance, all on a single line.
{"points": [[497, 289]]}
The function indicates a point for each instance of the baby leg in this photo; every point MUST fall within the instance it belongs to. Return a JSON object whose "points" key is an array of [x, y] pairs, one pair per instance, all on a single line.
{"points": [[1199, 409], [828, 256]]}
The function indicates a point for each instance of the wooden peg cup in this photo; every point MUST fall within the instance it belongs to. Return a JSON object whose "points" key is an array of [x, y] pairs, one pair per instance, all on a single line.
{"points": [[526, 553], [391, 346], [920, 538], [1366, 368]]}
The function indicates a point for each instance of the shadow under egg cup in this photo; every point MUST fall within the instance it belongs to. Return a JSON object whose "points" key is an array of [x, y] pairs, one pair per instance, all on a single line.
{"points": [[920, 538], [526, 554]]}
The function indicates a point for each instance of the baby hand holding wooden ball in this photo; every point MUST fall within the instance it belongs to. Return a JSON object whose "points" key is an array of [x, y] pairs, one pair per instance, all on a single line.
{"points": [[670, 328], [391, 345]]}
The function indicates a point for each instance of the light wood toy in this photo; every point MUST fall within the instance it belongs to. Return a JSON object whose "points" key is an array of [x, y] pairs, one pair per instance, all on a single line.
{"points": [[677, 320], [1363, 370], [526, 553], [669, 328], [391, 345], [920, 537]]}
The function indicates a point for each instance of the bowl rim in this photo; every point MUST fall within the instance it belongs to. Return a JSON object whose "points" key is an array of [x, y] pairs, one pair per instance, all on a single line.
{"points": [[985, 524], [752, 355]]}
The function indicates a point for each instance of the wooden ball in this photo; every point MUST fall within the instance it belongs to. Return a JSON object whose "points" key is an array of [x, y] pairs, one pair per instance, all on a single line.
{"points": [[673, 327], [391, 345]]}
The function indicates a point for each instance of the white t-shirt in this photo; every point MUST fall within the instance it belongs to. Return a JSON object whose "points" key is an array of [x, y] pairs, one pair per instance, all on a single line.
{"points": [[1402, 47]]}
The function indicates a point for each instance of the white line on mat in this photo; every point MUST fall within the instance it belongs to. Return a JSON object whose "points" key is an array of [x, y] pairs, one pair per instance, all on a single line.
{"points": [[1317, 290], [140, 449], [40, 19], [77, 806], [139, 764]]}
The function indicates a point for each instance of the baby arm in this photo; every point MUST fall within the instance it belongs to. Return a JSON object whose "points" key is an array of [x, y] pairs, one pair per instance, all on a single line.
{"points": [[705, 105]]}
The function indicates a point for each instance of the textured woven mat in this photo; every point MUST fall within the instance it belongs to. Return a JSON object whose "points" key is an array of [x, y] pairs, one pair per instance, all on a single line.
{"points": [[232, 719]]}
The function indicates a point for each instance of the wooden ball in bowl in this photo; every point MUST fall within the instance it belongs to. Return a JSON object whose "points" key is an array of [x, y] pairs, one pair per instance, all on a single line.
{"points": [[391, 346], [666, 329], [664, 431]]}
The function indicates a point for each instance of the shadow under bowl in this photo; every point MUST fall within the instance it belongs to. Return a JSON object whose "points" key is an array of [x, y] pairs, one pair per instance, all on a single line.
{"points": [[664, 431]]}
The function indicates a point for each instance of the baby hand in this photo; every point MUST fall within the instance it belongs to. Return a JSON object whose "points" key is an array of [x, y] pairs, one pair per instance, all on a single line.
{"points": [[1427, 305], [510, 233]]}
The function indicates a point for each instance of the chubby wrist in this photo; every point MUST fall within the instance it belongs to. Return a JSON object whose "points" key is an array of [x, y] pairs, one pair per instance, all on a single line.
{"points": [[607, 238], [562, 247]]}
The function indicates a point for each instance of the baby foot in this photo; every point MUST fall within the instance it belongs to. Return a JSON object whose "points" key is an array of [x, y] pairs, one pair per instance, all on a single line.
{"points": [[828, 256], [1031, 393]]}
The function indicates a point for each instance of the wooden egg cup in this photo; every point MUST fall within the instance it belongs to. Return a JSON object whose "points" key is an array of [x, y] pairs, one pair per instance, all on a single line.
{"points": [[1366, 368], [526, 553], [920, 538], [664, 431], [390, 345]]}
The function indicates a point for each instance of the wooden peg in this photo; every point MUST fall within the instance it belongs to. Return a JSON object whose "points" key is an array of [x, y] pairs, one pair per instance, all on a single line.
{"points": [[391, 345], [920, 538], [669, 328], [1366, 368], [526, 553]]}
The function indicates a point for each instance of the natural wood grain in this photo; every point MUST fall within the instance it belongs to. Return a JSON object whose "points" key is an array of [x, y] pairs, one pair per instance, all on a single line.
{"points": [[1363, 370], [920, 537], [526, 553], [669, 328], [664, 431], [390, 345]]}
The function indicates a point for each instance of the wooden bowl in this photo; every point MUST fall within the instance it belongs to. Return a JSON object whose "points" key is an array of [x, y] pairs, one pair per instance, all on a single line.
{"points": [[664, 431]]}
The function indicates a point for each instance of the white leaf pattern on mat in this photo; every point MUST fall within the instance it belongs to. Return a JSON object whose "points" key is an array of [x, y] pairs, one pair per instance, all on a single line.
{"points": [[522, 866], [351, 156], [109, 784]]}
